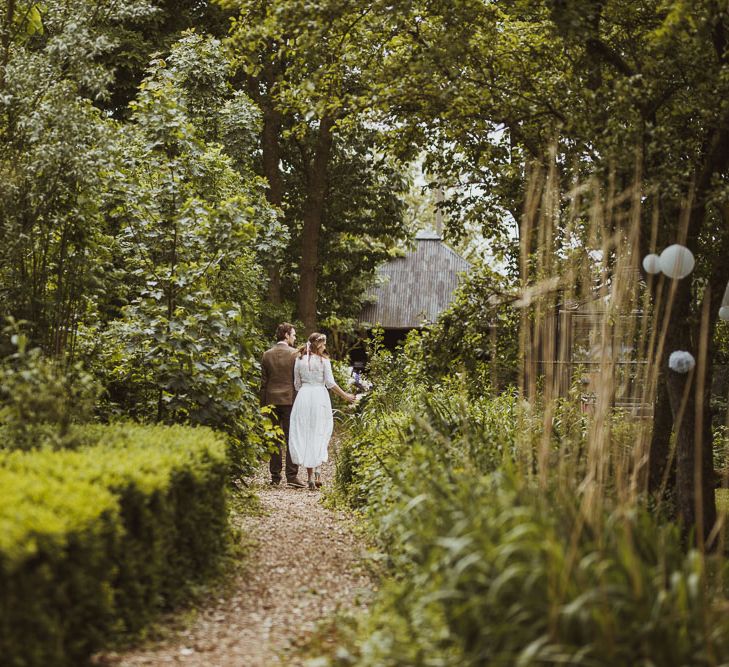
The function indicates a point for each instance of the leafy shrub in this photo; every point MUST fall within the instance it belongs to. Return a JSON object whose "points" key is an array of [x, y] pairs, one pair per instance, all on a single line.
{"points": [[178, 341], [492, 568], [40, 398], [52, 522], [364, 457], [477, 333], [343, 377], [380, 442], [494, 573], [98, 540]]}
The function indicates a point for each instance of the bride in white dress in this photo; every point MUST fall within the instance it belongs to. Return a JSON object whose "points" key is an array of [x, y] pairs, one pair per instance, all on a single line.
{"points": [[311, 417]]}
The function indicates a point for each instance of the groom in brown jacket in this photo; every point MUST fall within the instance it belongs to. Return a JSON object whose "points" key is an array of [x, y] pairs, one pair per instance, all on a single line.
{"points": [[277, 389]]}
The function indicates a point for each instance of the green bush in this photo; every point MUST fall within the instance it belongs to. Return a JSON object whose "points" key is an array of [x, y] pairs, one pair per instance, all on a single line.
{"points": [[478, 333], [41, 398], [380, 442], [492, 568], [96, 541], [494, 573]]}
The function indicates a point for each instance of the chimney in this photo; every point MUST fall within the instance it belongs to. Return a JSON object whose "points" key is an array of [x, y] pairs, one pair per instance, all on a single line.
{"points": [[439, 198]]}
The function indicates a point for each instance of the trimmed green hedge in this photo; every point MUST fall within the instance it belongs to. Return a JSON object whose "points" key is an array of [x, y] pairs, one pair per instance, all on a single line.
{"points": [[96, 541]]}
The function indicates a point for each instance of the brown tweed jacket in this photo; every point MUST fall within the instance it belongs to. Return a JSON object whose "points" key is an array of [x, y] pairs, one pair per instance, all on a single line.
{"points": [[277, 375]]}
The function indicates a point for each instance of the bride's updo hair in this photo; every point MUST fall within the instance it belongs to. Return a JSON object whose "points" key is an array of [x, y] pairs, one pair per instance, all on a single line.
{"points": [[315, 345]]}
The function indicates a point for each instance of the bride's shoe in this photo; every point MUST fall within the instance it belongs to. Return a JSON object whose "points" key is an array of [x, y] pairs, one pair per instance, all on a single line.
{"points": [[312, 486], [317, 479]]}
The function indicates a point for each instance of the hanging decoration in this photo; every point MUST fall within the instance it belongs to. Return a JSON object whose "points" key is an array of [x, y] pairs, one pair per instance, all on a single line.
{"points": [[724, 310], [651, 264], [677, 261], [681, 361]]}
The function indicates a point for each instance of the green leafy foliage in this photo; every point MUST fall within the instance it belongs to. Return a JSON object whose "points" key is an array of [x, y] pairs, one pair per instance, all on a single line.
{"points": [[489, 87], [518, 97], [478, 333], [55, 160], [40, 399], [184, 347], [97, 541], [495, 573], [140, 37], [491, 567], [308, 66], [362, 220]]}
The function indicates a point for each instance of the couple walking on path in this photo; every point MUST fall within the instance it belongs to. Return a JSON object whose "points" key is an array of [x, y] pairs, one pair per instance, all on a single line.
{"points": [[297, 383]]}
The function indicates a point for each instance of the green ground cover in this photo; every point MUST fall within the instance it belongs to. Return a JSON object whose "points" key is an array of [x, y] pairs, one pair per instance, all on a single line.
{"points": [[490, 563]]}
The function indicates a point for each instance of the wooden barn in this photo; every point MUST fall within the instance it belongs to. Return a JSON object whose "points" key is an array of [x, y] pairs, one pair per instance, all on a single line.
{"points": [[415, 288]]}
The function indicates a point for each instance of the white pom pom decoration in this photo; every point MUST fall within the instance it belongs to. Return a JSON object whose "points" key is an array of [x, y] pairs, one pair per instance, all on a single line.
{"points": [[651, 263], [681, 361], [724, 313], [677, 261]]}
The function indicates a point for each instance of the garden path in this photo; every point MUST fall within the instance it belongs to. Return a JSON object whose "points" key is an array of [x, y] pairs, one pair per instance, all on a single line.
{"points": [[305, 566]]}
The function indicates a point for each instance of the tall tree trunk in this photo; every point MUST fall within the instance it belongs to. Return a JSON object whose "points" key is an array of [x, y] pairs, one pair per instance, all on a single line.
{"points": [[270, 155], [313, 218], [271, 149], [694, 466], [694, 472], [660, 446], [270, 152], [660, 477]]}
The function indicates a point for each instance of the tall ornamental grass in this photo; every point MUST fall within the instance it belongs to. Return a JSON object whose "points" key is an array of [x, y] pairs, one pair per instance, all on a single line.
{"points": [[543, 525], [489, 567]]}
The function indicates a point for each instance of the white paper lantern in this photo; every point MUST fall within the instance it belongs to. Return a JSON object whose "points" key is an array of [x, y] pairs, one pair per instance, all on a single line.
{"points": [[681, 361], [724, 313], [677, 261], [651, 263]]}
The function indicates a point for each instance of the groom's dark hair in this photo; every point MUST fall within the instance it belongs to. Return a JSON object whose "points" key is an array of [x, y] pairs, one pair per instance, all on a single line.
{"points": [[282, 330]]}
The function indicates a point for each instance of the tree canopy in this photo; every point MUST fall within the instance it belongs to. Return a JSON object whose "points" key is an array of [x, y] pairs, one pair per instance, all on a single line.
{"points": [[177, 177]]}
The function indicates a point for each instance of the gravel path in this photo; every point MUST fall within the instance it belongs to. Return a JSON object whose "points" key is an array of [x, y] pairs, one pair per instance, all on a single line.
{"points": [[305, 566]]}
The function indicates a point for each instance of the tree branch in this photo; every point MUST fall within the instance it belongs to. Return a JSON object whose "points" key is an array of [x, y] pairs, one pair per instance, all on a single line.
{"points": [[609, 55]]}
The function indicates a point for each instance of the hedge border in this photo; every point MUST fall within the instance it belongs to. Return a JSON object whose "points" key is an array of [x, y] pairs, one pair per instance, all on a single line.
{"points": [[96, 542]]}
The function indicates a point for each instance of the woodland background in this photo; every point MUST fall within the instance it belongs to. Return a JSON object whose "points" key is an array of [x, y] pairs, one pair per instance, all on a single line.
{"points": [[178, 177]]}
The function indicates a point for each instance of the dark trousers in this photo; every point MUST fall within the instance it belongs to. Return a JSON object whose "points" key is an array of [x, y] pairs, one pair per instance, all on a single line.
{"points": [[283, 413]]}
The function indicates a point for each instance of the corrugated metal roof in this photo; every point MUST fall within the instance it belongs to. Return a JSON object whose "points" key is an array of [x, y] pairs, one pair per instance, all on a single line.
{"points": [[416, 287]]}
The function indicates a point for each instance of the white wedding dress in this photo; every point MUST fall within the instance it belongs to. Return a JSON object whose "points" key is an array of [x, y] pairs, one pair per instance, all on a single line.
{"points": [[311, 417]]}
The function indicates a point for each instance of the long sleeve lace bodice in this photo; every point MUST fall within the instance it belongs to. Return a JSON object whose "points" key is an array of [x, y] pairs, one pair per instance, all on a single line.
{"points": [[311, 415], [315, 370]]}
